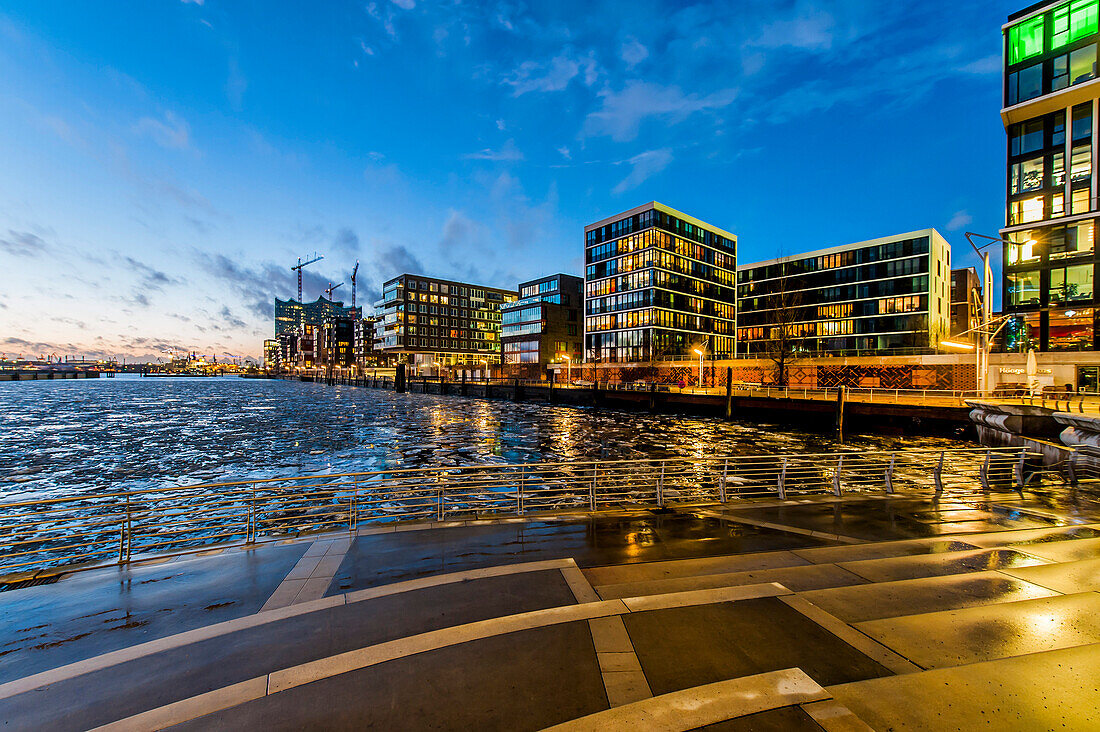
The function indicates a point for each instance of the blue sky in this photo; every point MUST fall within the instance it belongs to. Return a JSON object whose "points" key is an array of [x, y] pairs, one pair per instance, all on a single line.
{"points": [[166, 161]]}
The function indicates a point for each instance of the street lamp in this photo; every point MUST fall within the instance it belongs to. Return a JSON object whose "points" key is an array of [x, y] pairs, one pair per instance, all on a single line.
{"points": [[981, 348], [702, 347]]}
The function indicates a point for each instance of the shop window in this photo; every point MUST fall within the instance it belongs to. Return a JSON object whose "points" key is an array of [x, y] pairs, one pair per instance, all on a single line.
{"points": [[1022, 333], [1070, 330], [1023, 288], [1025, 40]]}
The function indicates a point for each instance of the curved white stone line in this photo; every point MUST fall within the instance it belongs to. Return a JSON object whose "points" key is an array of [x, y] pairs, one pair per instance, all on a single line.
{"points": [[113, 658]]}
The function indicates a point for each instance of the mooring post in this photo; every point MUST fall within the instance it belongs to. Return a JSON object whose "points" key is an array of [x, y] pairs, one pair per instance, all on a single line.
{"points": [[840, 394], [729, 392]]}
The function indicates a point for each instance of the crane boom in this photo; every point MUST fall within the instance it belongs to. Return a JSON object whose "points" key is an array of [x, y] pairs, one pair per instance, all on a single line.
{"points": [[353, 273], [332, 287], [316, 258]]}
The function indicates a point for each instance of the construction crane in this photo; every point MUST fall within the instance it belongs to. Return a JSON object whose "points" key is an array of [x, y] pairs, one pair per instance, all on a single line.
{"points": [[316, 258], [332, 287], [353, 273]]}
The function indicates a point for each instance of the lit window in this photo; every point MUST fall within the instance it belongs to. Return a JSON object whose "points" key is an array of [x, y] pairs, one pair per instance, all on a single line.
{"points": [[1072, 21], [1070, 330], [1025, 250], [1069, 284], [1028, 209], [1080, 201], [1082, 64], [1025, 40], [1028, 175], [1025, 84], [1023, 288], [1081, 163]]}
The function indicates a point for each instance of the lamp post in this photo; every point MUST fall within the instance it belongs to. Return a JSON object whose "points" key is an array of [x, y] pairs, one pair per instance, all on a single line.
{"points": [[981, 347], [702, 347], [984, 336]]}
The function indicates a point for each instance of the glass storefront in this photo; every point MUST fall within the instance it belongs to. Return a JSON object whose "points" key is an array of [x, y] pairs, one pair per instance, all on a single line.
{"points": [[1070, 330]]}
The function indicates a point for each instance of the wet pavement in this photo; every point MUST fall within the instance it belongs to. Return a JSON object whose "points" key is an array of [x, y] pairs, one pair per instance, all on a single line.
{"points": [[519, 625], [641, 536]]}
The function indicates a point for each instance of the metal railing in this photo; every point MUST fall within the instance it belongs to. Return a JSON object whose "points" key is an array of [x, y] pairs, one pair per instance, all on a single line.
{"points": [[120, 526]]}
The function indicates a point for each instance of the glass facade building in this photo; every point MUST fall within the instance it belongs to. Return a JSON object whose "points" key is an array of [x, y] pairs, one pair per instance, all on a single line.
{"points": [[433, 323], [544, 323], [872, 296], [657, 284], [1050, 117]]}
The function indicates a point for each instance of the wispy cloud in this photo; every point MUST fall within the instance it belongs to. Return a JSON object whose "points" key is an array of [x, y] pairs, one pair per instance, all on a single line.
{"points": [[507, 153], [645, 165], [960, 220], [148, 277], [633, 52], [23, 244], [171, 132], [555, 74], [622, 112]]}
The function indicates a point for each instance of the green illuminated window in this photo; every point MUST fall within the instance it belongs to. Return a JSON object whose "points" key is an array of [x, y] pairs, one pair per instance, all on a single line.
{"points": [[1026, 39], [1073, 21]]}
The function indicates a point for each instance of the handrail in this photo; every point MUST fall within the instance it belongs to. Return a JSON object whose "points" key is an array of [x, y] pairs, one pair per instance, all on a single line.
{"points": [[118, 525]]}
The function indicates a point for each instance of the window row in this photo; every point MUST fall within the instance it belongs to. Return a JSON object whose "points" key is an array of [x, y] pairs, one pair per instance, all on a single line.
{"points": [[866, 255]]}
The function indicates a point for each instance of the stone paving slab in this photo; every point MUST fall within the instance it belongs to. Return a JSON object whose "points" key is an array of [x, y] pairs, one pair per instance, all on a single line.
{"points": [[1067, 577], [793, 578], [923, 595], [1064, 551], [883, 550], [1034, 536], [661, 570], [162, 678], [521, 681], [94, 612], [929, 565], [685, 647], [1055, 690], [970, 635], [394, 556]]}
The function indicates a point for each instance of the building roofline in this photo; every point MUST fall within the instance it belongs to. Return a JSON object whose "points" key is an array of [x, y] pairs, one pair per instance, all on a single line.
{"points": [[668, 210], [320, 298], [1029, 11], [449, 282], [930, 232]]}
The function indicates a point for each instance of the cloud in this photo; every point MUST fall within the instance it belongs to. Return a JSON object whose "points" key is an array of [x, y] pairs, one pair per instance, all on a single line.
{"points": [[228, 318], [405, 4], [986, 65], [397, 260], [633, 52], [346, 241], [150, 279], [508, 153], [23, 244], [192, 2], [564, 152], [812, 30], [554, 75], [622, 112], [646, 164], [960, 220], [500, 125], [172, 132]]}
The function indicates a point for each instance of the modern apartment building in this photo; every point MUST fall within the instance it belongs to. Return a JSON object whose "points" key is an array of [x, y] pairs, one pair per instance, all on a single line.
{"points": [[658, 283], [435, 324], [871, 296], [966, 301], [544, 324], [1050, 116], [292, 316]]}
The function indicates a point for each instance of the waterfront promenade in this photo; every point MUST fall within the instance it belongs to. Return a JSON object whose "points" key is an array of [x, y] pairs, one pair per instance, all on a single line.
{"points": [[888, 612]]}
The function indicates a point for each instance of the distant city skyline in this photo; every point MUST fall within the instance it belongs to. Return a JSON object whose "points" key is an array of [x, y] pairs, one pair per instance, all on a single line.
{"points": [[166, 162]]}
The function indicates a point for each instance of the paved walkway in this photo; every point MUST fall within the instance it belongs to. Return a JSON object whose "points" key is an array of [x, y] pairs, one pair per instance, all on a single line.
{"points": [[816, 614]]}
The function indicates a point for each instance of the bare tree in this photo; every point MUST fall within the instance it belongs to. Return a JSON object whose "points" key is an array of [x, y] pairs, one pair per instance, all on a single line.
{"points": [[785, 333]]}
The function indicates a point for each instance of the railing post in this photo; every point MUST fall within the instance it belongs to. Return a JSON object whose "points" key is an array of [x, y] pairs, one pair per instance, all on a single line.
{"points": [[122, 531], [722, 485], [354, 505], [519, 494], [782, 485], [592, 488], [890, 473], [661, 487], [836, 475], [937, 473], [1020, 471], [1071, 468], [983, 472], [129, 527], [250, 532], [439, 511]]}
